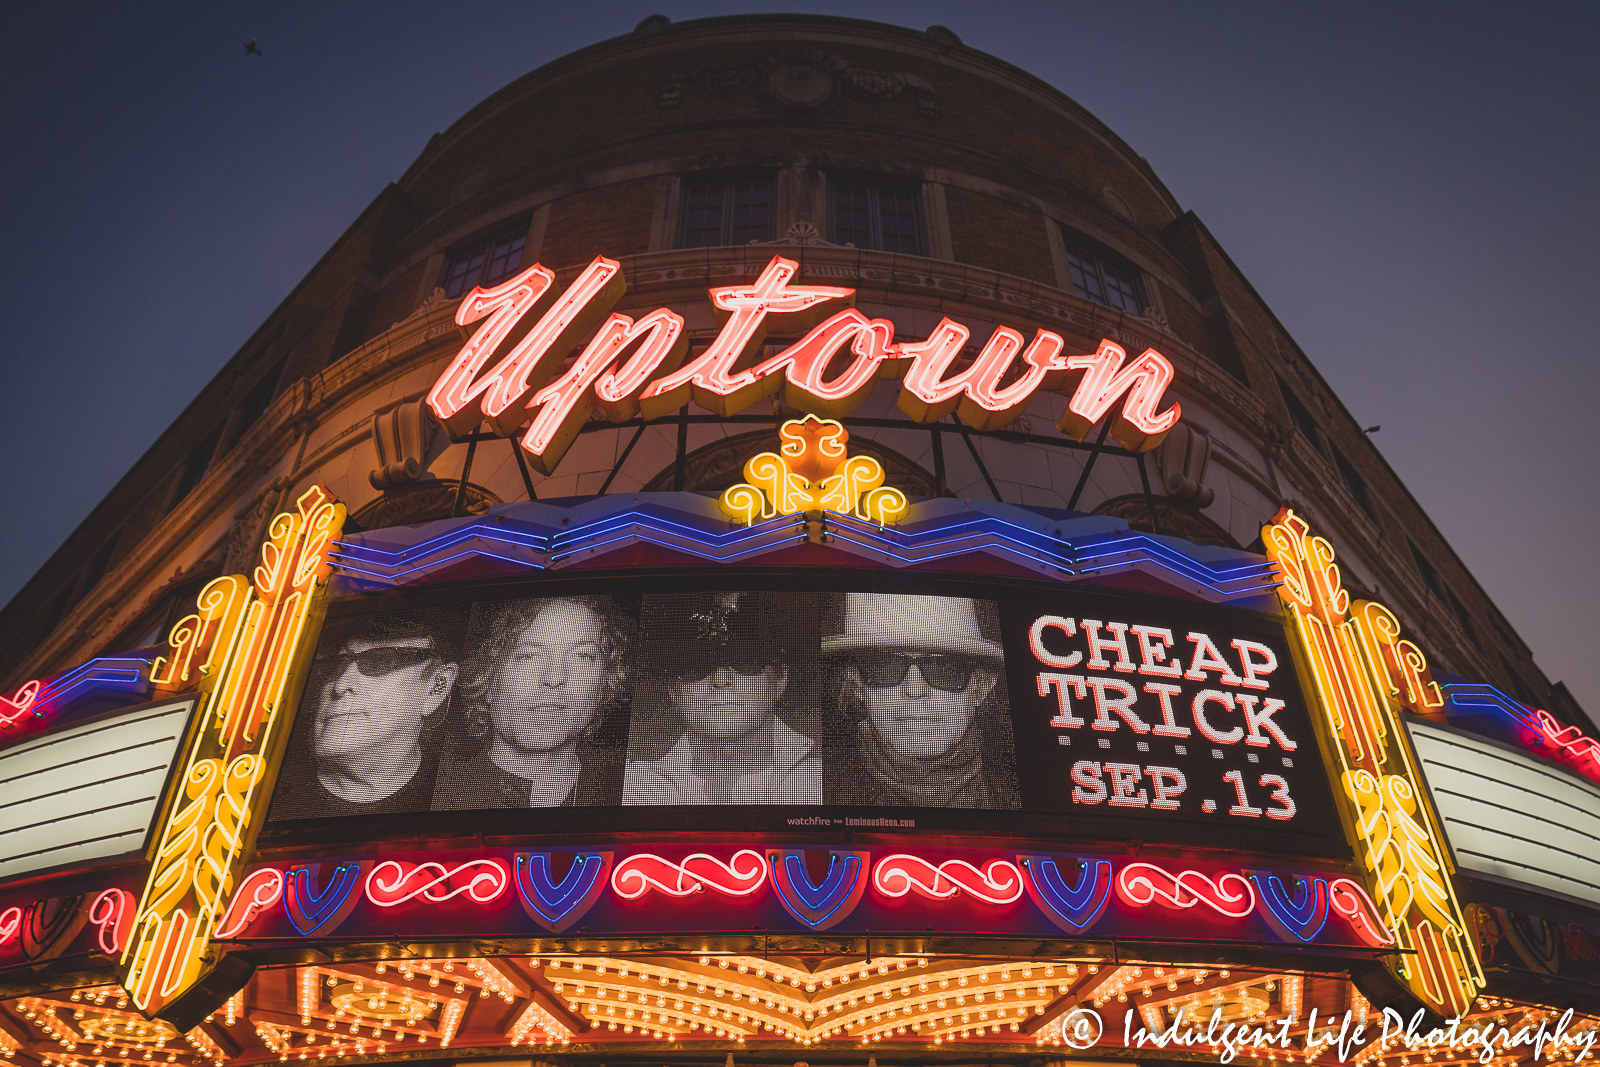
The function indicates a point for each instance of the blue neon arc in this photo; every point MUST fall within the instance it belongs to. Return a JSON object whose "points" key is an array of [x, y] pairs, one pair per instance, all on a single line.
{"points": [[1483, 695], [1082, 903], [812, 904], [1304, 919], [528, 537], [128, 674], [551, 899], [324, 905], [840, 876]]}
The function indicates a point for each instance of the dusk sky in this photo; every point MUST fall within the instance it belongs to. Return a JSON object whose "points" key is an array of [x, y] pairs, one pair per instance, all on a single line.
{"points": [[1413, 188]]}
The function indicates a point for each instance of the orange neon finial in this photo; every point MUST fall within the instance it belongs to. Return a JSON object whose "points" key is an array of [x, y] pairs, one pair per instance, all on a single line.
{"points": [[813, 472], [813, 447]]}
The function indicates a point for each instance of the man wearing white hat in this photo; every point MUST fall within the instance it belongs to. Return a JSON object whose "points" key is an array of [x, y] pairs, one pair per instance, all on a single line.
{"points": [[916, 674]]}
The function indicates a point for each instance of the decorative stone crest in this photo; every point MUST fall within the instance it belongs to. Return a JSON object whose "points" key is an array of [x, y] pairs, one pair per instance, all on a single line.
{"points": [[801, 233], [803, 79], [435, 299]]}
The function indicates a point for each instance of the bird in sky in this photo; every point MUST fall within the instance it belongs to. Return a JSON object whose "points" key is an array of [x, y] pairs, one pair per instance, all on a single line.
{"points": [[251, 49]]}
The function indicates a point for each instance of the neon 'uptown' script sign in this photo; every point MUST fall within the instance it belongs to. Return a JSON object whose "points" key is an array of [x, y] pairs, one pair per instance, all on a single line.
{"points": [[517, 394]]}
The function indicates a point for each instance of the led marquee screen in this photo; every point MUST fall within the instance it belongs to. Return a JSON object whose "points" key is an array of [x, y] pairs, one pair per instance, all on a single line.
{"points": [[1097, 715]]}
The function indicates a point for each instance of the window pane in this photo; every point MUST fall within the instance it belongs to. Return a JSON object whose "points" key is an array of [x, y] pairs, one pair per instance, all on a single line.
{"points": [[1094, 278], [1298, 413], [751, 216], [1122, 291], [1430, 577], [1464, 616], [702, 216], [897, 216], [1091, 280], [462, 273], [1353, 483], [505, 259], [852, 216], [1080, 273]]}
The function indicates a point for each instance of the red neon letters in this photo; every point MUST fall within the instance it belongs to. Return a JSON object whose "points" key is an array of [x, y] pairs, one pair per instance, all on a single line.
{"points": [[742, 875], [998, 882], [743, 312], [517, 390]]}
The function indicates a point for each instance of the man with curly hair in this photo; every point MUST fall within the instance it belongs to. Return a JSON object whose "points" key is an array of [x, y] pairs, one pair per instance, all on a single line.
{"points": [[545, 696]]}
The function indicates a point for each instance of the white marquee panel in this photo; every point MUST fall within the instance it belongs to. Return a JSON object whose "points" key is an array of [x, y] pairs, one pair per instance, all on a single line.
{"points": [[1511, 816], [88, 792]]}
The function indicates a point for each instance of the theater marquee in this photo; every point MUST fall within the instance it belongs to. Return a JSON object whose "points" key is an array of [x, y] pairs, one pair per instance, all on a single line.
{"points": [[703, 703]]}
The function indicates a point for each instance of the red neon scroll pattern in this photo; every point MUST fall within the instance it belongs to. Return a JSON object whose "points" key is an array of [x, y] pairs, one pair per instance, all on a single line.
{"points": [[1139, 884], [999, 882], [16, 705], [1571, 741], [1352, 902], [262, 889], [10, 924], [110, 912], [392, 882], [742, 875]]}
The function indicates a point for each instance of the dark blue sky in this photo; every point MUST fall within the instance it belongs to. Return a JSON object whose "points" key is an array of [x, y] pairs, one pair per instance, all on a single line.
{"points": [[1413, 189]]}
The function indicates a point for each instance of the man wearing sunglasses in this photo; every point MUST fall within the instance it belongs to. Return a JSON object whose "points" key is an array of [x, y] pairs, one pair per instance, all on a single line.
{"points": [[915, 677], [720, 661], [364, 713]]}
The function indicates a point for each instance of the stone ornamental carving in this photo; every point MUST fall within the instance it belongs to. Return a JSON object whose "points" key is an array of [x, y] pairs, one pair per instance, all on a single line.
{"points": [[802, 233], [1182, 459], [805, 79], [434, 299], [1114, 201], [423, 501], [401, 436], [1173, 520], [800, 87], [244, 539]]}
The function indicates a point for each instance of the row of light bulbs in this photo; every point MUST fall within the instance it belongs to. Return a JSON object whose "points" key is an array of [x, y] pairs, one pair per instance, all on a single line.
{"points": [[926, 994], [134, 1050]]}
